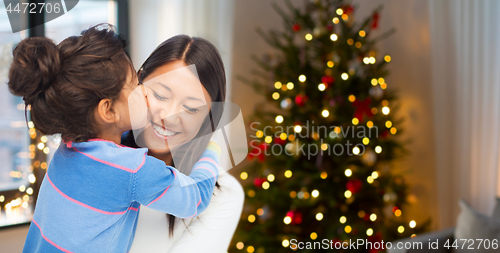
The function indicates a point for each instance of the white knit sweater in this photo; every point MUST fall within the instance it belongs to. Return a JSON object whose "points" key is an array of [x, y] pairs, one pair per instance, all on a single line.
{"points": [[210, 232]]}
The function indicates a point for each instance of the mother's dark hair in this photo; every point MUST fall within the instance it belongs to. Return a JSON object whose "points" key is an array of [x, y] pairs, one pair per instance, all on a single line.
{"points": [[210, 70], [191, 50]]}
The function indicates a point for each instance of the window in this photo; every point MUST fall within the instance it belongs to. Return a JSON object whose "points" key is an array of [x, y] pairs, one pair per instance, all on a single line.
{"points": [[16, 169], [24, 152], [81, 17]]}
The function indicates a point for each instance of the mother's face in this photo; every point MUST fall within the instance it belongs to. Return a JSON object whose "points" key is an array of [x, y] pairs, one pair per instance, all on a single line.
{"points": [[178, 106]]}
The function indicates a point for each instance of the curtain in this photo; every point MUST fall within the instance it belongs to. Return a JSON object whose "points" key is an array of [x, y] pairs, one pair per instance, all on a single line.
{"points": [[154, 21], [465, 46]]}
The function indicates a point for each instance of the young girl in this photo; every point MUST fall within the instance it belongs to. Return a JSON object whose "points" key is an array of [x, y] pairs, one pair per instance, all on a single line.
{"points": [[90, 197]]}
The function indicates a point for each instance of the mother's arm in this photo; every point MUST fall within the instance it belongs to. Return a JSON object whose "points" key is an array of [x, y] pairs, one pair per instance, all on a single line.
{"points": [[213, 230]]}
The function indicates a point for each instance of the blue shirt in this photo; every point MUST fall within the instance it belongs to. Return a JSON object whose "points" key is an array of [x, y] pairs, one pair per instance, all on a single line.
{"points": [[90, 197]]}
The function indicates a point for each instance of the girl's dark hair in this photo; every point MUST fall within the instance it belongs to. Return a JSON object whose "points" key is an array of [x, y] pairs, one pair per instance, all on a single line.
{"points": [[62, 84], [210, 68]]}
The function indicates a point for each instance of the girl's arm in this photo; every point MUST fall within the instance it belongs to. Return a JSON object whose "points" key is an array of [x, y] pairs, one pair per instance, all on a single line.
{"points": [[212, 231], [165, 189]]}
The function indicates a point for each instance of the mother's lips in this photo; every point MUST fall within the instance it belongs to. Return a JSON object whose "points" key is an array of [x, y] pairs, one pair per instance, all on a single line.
{"points": [[162, 131]]}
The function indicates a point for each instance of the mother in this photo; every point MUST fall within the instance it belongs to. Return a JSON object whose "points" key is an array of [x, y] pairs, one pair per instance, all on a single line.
{"points": [[213, 229]]}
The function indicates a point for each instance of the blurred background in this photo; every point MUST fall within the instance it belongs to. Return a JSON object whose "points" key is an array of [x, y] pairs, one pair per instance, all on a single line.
{"points": [[438, 61]]}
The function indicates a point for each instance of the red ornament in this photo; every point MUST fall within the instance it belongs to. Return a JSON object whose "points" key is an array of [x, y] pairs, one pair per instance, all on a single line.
{"points": [[295, 216], [258, 152], [373, 239], [296, 27], [329, 27], [259, 181], [327, 80], [384, 134], [300, 99], [366, 217], [394, 209], [354, 185], [279, 141], [298, 218], [362, 108], [348, 9], [375, 19]]}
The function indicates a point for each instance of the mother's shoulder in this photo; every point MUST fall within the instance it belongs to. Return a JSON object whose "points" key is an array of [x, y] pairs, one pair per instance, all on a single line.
{"points": [[230, 186]]}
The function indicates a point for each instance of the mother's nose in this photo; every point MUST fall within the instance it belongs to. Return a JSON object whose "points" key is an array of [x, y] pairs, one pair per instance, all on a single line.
{"points": [[171, 114]]}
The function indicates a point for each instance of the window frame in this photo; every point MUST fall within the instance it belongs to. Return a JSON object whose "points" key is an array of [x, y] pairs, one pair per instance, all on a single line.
{"points": [[39, 157]]}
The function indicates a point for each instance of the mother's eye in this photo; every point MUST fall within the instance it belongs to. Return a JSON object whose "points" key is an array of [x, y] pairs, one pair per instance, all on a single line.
{"points": [[159, 97], [191, 110]]}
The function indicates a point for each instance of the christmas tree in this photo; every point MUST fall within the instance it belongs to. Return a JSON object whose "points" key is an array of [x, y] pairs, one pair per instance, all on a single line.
{"points": [[323, 148]]}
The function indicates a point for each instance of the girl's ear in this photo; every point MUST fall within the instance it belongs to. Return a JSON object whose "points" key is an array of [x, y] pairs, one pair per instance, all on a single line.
{"points": [[105, 113]]}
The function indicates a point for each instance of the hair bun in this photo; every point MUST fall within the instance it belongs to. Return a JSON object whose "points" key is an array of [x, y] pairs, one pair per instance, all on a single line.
{"points": [[35, 65]]}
